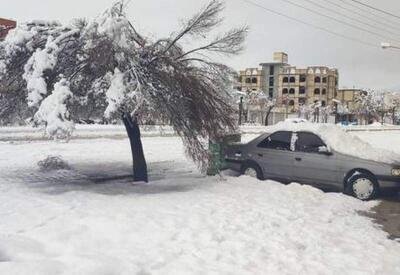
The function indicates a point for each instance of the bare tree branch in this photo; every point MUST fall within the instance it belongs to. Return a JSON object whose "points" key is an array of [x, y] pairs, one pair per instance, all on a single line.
{"points": [[230, 43]]}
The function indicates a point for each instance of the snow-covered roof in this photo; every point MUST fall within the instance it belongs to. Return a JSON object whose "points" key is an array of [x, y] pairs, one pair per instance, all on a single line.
{"points": [[340, 141]]}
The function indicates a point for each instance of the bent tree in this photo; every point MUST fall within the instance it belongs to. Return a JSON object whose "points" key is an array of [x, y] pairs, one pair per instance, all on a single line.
{"points": [[105, 69]]}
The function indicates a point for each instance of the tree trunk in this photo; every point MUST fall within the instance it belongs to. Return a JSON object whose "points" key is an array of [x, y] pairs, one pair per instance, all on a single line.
{"points": [[139, 162], [267, 116], [394, 116]]}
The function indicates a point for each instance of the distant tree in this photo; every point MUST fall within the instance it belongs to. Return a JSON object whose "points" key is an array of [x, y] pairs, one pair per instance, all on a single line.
{"points": [[392, 102], [264, 102], [373, 106], [315, 112], [104, 68]]}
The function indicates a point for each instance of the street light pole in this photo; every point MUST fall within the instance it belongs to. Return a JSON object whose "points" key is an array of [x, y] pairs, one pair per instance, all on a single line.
{"points": [[386, 45]]}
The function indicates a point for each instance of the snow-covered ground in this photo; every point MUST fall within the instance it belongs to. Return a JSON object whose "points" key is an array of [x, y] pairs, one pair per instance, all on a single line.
{"points": [[23, 133], [92, 220]]}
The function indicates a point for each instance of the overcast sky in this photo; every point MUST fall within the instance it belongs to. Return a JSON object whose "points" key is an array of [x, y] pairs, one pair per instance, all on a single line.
{"points": [[359, 65]]}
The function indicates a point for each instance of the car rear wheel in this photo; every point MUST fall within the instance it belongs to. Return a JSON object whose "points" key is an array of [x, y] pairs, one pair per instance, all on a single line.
{"points": [[363, 186], [252, 170]]}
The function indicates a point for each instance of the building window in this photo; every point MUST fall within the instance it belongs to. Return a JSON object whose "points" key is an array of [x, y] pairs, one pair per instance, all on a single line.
{"points": [[317, 79], [302, 101], [302, 90], [324, 80], [271, 70], [323, 103], [254, 80], [317, 92], [284, 91], [291, 103], [292, 79], [285, 79], [271, 81], [271, 92], [324, 91], [303, 78], [248, 80], [291, 91]]}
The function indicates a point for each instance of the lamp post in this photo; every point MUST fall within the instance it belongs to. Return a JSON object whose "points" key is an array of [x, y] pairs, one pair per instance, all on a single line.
{"points": [[386, 45]]}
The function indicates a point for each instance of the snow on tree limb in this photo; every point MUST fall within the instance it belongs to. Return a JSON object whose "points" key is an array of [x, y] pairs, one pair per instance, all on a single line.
{"points": [[54, 113]]}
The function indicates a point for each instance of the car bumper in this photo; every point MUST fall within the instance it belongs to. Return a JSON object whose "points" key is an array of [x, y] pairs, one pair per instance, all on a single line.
{"points": [[389, 181]]}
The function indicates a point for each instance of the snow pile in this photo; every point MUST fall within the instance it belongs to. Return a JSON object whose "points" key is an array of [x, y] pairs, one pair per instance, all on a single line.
{"points": [[338, 140], [182, 223], [53, 163], [53, 111]]}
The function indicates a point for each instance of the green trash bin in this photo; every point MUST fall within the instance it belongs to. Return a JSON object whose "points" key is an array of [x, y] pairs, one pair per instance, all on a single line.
{"points": [[216, 153]]}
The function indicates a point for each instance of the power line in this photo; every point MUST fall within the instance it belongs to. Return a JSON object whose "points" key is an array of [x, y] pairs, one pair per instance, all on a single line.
{"points": [[347, 17], [366, 10], [393, 26], [311, 25], [340, 21], [377, 9]]}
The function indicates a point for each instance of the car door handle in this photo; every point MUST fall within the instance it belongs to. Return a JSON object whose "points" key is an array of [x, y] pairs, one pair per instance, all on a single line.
{"points": [[298, 159], [260, 155]]}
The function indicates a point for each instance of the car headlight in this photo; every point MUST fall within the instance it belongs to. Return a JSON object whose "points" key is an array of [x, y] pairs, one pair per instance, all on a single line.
{"points": [[396, 172]]}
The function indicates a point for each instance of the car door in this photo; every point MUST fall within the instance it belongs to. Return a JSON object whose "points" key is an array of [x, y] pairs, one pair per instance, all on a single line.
{"points": [[275, 156], [313, 164]]}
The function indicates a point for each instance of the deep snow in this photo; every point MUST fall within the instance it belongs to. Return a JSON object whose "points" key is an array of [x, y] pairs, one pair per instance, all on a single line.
{"points": [[92, 220]]}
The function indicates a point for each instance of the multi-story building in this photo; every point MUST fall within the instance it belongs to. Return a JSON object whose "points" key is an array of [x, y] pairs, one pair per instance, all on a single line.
{"points": [[5, 26], [290, 86], [305, 86], [272, 70], [251, 79]]}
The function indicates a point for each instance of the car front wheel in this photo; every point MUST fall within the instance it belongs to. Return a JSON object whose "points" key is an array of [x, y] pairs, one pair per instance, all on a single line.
{"points": [[363, 187], [252, 170]]}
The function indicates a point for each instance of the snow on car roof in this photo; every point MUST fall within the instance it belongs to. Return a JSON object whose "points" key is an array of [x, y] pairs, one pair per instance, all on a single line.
{"points": [[340, 141]]}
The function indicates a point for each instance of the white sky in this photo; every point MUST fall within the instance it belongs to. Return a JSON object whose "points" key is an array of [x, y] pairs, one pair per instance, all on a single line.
{"points": [[359, 65]]}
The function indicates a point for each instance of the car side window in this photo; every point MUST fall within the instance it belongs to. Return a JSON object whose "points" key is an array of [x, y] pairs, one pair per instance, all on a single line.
{"points": [[309, 143], [277, 141]]}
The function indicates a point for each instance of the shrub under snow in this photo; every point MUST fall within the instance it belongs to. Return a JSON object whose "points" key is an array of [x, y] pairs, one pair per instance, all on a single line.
{"points": [[51, 163]]}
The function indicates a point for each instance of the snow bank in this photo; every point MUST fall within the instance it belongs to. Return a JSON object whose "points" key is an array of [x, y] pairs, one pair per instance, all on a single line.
{"points": [[182, 223], [340, 141]]}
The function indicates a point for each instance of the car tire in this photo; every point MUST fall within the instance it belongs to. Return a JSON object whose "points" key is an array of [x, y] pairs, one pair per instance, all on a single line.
{"points": [[362, 186], [252, 170]]}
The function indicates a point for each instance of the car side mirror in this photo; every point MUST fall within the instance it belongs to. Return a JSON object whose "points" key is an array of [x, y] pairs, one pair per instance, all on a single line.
{"points": [[324, 151]]}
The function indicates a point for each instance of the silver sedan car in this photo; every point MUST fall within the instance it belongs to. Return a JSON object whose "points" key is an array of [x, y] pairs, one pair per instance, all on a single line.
{"points": [[304, 157]]}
